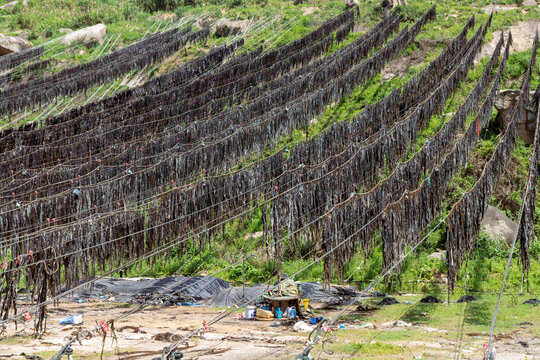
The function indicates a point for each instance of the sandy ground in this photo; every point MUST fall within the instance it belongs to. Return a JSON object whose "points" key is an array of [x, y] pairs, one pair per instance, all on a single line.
{"points": [[144, 334]]}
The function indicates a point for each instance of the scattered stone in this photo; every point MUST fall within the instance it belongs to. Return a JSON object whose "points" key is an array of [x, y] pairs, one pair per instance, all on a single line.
{"points": [[439, 255], [308, 10], [254, 235], [424, 314], [9, 44], [96, 32], [467, 298], [388, 301], [226, 27], [164, 17], [532, 302], [202, 23], [301, 326], [9, 6], [351, 3], [393, 324], [497, 225], [497, 8], [430, 300]]}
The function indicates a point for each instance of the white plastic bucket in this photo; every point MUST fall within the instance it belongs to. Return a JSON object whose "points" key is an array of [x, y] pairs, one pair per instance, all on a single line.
{"points": [[250, 311]]}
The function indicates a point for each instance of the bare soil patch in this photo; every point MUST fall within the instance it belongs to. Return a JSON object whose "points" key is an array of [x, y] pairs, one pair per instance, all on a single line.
{"points": [[522, 38]]}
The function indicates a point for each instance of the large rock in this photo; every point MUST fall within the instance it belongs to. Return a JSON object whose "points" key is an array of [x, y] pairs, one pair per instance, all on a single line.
{"points": [[529, 3], [96, 32], [9, 44], [505, 104], [351, 3], [226, 27], [498, 226], [439, 255], [11, 5], [202, 23]]}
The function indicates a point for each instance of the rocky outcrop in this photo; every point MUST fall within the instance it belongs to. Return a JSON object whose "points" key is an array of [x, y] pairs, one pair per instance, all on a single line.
{"points": [[203, 23], [522, 38], [526, 123], [9, 44], [96, 32], [11, 5], [226, 27], [529, 3], [498, 226]]}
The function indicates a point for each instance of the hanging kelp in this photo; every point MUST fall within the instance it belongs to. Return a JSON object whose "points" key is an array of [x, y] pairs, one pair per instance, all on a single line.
{"points": [[14, 59], [255, 136], [463, 221], [95, 118], [404, 221], [526, 226], [358, 216], [73, 80], [148, 102]]}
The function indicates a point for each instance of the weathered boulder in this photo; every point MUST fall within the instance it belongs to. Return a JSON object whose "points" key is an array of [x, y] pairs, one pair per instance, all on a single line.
{"points": [[506, 99], [226, 27], [202, 23], [529, 3], [351, 3], [498, 226], [9, 6], [439, 255], [96, 32], [9, 44]]}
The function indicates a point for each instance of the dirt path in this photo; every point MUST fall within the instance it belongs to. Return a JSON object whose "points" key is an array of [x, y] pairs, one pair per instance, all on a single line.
{"points": [[144, 334]]}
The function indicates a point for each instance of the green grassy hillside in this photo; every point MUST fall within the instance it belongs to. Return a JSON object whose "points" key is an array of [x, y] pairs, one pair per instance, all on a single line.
{"points": [[129, 20]]}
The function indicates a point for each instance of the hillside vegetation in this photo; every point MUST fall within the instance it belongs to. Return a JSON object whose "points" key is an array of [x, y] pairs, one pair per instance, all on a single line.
{"points": [[129, 20]]}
